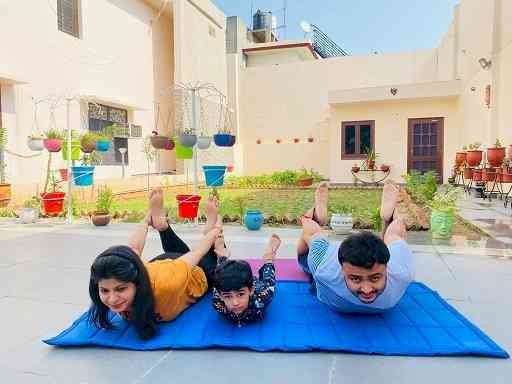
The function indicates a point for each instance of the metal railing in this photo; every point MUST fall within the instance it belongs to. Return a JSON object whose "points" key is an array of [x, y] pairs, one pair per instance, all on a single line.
{"points": [[324, 46]]}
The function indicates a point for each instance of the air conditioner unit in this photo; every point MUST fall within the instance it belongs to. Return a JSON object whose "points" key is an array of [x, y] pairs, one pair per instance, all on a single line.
{"points": [[135, 131]]}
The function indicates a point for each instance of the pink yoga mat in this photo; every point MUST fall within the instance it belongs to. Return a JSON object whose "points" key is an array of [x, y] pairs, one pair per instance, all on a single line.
{"points": [[286, 269]]}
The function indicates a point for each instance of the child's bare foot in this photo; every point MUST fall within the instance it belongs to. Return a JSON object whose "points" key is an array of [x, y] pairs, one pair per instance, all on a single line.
{"points": [[212, 211], [321, 195], [274, 242], [157, 215], [389, 200]]}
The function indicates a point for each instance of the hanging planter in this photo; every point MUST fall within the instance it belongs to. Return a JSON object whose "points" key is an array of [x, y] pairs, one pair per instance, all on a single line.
{"points": [[232, 140], [188, 139], [441, 224], [222, 139], [188, 205], [53, 203], [159, 142], [75, 150], [169, 144], [183, 152], [53, 145], [103, 145], [204, 142], [35, 143], [214, 175], [88, 142], [83, 175]]}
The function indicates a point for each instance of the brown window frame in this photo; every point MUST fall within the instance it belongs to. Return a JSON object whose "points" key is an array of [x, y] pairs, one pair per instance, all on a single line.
{"points": [[357, 155], [63, 9]]}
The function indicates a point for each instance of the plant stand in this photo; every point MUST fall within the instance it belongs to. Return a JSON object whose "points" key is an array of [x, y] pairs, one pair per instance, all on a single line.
{"points": [[368, 176]]}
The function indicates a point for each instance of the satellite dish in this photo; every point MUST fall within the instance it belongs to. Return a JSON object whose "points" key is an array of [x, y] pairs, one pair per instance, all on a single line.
{"points": [[306, 27]]}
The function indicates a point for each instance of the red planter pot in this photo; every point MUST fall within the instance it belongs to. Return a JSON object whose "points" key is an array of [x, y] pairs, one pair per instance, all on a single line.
{"points": [[460, 158], [474, 158], [355, 169], [489, 174], [477, 175], [385, 168], [305, 182], [510, 151], [495, 156], [468, 173], [53, 203], [188, 205]]}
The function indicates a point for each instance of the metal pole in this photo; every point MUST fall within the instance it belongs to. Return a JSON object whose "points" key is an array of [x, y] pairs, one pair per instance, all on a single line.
{"points": [[69, 219], [195, 126]]}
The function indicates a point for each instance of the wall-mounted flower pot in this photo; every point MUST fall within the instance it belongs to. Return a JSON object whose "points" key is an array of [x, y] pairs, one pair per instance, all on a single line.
{"points": [[188, 140], [310, 139], [460, 158], [214, 175], [100, 219], [468, 173], [441, 224], [169, 144], [159, 142], [188, 205], [75, 150], [258, 141], [278, 141], [495, 156], [83, 175], [222, 139], [342, 223], [103, 145], [5, 194], [183, 152], [53, 145], [296, 140], [385, 168], [305, 182], [204, 142], [474, 158], [35, 144], [53, 203], [371, 164], [253, 219]]}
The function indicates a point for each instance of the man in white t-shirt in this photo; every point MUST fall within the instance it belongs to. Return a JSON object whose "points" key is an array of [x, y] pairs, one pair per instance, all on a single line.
{"points": [[364, 273]]}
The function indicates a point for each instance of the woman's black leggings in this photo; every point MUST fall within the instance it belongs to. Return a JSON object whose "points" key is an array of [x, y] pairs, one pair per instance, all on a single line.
{"points": [[174, 247]]}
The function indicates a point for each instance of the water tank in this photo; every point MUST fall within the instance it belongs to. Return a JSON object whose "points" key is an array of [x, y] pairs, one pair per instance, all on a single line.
{"points": [[262, 20]]}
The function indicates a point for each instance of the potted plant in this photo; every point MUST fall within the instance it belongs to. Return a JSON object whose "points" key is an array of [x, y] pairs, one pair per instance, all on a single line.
{"points": [[506, 171], [310, 139], [296, 140], [159, 141], [258, 141], [355, 168], [278, 141], [35, 142], [342, 222], [443, 210], [371, 157], [53, 141], [204, 140], [104, 200], [496, 154], [460, 157], [5, 188], [104, 139], [385, 168], [474, 154], [468, 171], [88, 142], [188, 138], [53, 201], [30, 211], [305, 178]]}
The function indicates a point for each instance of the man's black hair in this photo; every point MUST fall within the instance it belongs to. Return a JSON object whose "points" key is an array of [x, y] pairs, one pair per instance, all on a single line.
{"points": [[232, 275], [363, 249]]}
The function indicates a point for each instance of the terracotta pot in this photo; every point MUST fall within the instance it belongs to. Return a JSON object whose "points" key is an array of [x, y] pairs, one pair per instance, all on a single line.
{"points": [[468, 173], [460, 157], [306, 182], [371, 164], [258, 141], [355, 169], [310, 139], [495, 156], [474, 158], [5, 194], [100, 219], [296, 140], [477, 175], [506, 176], [88, 146]]}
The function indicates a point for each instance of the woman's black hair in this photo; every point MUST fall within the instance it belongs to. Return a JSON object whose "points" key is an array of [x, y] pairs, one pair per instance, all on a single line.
{"points": [[123, 264], [232, 275]]}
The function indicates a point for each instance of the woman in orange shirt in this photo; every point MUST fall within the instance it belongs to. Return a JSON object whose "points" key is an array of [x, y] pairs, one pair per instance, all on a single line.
{"points": [[159, 290]]}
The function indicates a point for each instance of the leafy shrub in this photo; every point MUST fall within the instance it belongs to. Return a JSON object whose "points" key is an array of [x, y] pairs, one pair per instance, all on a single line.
{"points": [[421, 187]]}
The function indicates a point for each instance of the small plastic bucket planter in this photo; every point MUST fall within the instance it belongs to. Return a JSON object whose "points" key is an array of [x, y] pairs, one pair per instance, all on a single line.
{"points": [[188, 206], [253, 219], [214, 175], [183, 152], [441, 224], [75, 150], [53, 203], [63, 174], [103, 145], [83, 175], [53, 145]]}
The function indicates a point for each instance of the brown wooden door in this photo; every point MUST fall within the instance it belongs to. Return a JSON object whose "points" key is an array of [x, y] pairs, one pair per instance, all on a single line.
{"points": [[425, 145]]}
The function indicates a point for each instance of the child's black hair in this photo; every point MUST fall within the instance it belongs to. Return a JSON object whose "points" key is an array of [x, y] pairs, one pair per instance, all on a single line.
{"points": [[232, 275]]}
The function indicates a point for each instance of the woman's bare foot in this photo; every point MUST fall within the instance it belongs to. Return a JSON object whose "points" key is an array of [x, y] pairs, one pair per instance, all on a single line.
{"points": [[212, 211], [274, 242], [321, 196], [157, 216]]}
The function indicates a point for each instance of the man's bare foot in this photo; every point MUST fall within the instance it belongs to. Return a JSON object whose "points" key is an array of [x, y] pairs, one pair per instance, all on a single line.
{"points": [[274, 242], [321, 196], [212, 211], [157, 214], [389, 200], [395, 231]]}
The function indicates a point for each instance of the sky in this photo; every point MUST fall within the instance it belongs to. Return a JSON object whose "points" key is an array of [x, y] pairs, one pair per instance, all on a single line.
{"points": [[359, 26]]}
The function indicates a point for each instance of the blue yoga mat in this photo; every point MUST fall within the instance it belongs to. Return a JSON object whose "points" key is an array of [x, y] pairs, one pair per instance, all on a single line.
{"points": [[422, 324]]}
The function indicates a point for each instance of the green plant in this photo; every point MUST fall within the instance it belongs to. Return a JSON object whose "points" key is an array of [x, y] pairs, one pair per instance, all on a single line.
{"points": [[3, 166], [376, 219], [505, 163], [150, 154], [445, 200], [497, 144], [54, 183], [371, 155], [88, 138], [421, 187], [54, 134], [105, 134], [3, 138], [90, 159], [464, 147], [104, 200], [241, 204], [34, 202], [474, 146]]}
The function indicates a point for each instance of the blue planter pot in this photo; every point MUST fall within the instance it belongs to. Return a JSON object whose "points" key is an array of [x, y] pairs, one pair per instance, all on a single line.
{"points": [[83, 175], [214, 175], [253, 219], [103, 146], [222, 139]]}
